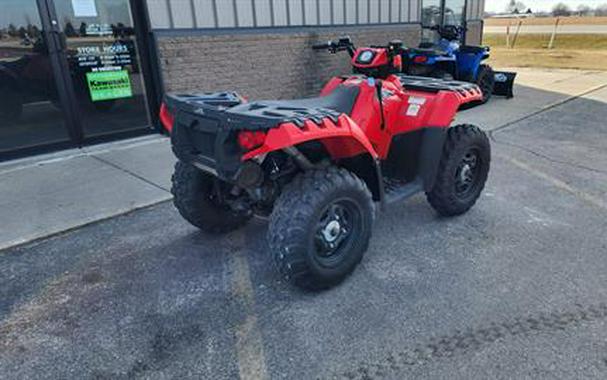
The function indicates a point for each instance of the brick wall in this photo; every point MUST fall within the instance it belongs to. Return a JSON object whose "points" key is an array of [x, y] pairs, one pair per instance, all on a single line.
{"points": [[474, 35], [279, 65]]}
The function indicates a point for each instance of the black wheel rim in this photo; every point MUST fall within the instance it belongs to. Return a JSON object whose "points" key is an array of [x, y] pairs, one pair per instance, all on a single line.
{"points": [[336, 231], [467, 175]]}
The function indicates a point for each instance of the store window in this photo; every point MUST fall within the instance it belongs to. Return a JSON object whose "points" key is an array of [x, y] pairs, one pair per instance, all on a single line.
{"points": [[432, 12], [104, 64], [30, 109], [455, 12], [441, 12]]}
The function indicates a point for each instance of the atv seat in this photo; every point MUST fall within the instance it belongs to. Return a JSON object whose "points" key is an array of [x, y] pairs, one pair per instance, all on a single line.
{"points": [[341, 100]]}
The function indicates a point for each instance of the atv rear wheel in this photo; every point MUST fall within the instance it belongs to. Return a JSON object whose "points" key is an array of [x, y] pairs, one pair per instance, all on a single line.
{"points": [[321, 227], [195, 197], [463, 170], [486, 81]]}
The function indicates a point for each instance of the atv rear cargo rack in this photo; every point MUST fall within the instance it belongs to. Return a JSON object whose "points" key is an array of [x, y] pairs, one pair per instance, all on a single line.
{"points": [[465, 90]]}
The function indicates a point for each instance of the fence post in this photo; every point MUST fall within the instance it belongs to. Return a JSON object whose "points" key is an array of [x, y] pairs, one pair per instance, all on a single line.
{"points": [[518, 30], [553, 37], [508, 36]]}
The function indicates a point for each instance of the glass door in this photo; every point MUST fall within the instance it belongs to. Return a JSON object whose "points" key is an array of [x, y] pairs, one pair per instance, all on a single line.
{"points": [[442, 12], [455, 12], [104, 65], [31, 106]]}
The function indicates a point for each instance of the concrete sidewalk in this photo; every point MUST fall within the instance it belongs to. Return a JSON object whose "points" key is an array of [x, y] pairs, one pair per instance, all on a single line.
{"points": [[53, 193], [48, 194]]}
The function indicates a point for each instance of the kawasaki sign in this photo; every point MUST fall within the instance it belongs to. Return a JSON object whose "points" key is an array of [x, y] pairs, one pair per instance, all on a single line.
{"points": [[108, 85]]}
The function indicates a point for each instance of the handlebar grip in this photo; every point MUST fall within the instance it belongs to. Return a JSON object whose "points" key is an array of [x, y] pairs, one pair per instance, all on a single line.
{"points": [[323, 46]]}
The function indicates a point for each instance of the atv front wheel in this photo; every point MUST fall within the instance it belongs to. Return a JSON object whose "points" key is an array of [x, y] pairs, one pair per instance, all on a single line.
{"points": [[486, 81], [195, 195], [321, 227], [463, 170]]}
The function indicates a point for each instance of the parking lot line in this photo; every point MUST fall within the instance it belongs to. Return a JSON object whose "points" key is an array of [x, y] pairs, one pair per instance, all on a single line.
{"points": [[249, 343], [588, 198]]}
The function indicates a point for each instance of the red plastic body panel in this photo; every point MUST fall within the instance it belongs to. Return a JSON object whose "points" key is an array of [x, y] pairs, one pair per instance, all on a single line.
{"points": [[404, 111], [342, 139]]}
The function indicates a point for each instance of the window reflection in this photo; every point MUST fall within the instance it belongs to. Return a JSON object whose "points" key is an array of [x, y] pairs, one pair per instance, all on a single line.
{"points": [[30, 110], [455, 12]]}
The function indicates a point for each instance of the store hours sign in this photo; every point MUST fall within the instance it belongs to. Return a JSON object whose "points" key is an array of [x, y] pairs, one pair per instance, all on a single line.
{"points": [[117, 54]]}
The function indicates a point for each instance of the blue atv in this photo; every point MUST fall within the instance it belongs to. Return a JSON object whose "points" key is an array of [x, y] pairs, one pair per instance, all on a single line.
{"points": [[448, 59]]}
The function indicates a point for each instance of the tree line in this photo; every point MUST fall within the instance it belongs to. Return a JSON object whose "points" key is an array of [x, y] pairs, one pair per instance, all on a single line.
{"points": [[559, 10]]}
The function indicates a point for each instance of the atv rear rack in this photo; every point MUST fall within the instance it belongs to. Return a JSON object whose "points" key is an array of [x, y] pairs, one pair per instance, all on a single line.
{"points": [[468, 92]]}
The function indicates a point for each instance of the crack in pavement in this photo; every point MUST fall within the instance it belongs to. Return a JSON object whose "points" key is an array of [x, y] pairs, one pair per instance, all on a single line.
{"points": [[546, 157], [131, 173], [471, 340], [512, 124], [549, 107]]}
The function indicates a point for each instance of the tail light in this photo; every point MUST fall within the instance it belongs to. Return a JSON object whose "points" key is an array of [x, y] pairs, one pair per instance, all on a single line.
{"points": [[420, 59], [249, 140], [397, 62], [166, 118]]}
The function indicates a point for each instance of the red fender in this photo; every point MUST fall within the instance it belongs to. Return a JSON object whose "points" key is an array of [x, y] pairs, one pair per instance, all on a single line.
{"points": [[342, 139]]}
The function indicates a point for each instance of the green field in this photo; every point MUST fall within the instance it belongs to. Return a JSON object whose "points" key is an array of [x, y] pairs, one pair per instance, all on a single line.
{"points": [[571, 51], [540, 41]]}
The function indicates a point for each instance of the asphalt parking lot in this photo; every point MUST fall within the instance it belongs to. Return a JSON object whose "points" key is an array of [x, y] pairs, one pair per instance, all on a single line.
{"points": [[516, 288]]}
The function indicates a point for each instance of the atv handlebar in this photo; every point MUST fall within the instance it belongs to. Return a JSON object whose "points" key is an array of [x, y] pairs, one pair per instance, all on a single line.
{"points": [[323, 46], [343, 44]]}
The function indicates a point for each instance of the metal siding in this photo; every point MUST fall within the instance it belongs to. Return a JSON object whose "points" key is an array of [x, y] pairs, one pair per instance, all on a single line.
{"points": [[280, 12], [204, 14], [324, 6], [263, 13], [225, 14], [295, 14], [159, 14], [339, 11], [363, 11], [310, 13], [385, 11], [394, 11], [181, 11], [374, 11]]}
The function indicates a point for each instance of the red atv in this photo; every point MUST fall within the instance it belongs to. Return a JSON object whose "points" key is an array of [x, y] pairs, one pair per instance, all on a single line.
{"points": [[318, 167]]}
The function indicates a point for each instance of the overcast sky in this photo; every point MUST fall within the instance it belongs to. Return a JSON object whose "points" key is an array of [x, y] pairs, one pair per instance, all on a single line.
{"points": [[544, 5]]}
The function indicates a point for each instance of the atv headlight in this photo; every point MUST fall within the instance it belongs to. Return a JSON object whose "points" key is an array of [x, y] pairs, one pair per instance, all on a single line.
{"points": [[366, 57]]}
